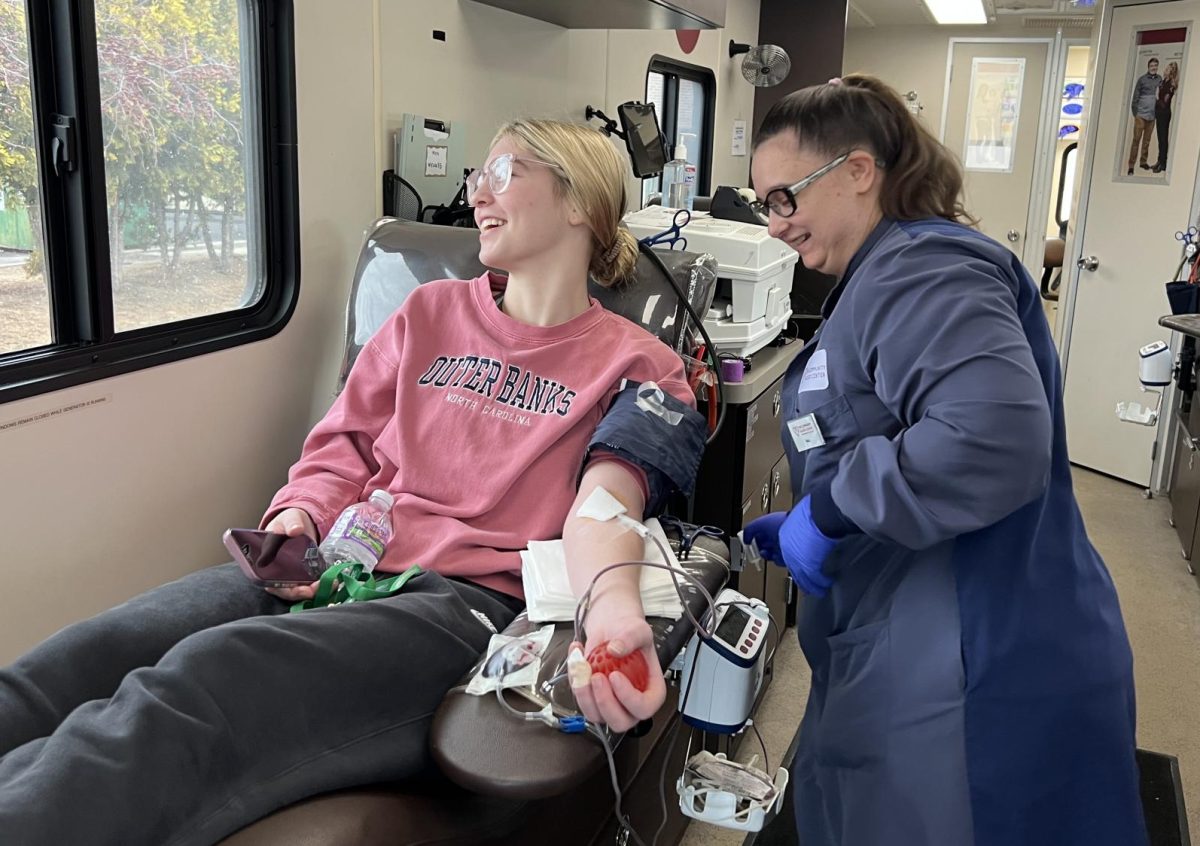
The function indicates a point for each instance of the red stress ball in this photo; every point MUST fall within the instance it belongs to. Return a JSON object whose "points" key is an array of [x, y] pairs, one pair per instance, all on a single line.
{"points": [[632, 666]]}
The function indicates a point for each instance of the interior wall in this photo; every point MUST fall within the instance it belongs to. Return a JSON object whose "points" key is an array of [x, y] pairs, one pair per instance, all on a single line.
{"points": [[495, 65], [913, 58]]}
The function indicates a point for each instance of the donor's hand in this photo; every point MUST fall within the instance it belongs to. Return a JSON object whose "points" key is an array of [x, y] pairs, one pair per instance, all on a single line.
{"points": [[293, 522], [612, 698]]}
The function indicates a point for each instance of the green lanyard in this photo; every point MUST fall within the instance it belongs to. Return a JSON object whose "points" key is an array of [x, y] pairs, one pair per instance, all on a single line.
{"points": [[346, 582]]}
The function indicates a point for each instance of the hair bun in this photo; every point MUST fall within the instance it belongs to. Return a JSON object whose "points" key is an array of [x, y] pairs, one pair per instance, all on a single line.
{"points": [[618, 262]]}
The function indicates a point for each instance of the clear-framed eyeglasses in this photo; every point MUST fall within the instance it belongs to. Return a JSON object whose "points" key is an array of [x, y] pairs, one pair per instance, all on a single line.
{"points": [[499, 172], [782, 201]]}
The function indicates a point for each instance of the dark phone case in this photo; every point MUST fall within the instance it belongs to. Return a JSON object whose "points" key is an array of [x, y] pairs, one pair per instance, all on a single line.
{"points": [[299, 563]]}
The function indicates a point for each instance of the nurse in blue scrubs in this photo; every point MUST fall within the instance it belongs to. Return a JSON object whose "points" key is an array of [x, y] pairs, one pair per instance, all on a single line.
{"points": [[972, 682]]}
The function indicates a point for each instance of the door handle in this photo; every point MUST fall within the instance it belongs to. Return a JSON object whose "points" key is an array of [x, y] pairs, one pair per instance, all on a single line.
{"points": [[1014, 236], [1088, 263]]}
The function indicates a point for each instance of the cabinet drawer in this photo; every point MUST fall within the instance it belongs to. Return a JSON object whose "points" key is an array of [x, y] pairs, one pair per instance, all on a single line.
{"points": [[763, 444], [1185, 490], [781, 486]]}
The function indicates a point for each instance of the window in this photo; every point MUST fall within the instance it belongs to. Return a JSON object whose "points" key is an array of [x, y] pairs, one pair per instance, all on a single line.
{"points": [[683, 96], [148, 170]]}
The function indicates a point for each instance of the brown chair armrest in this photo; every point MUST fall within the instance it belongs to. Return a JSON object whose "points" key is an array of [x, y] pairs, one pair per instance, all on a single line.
{"points": [[486, 750]]}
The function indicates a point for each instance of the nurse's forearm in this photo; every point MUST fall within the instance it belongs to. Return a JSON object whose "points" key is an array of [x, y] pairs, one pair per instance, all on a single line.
{"points": [[947, 474]]}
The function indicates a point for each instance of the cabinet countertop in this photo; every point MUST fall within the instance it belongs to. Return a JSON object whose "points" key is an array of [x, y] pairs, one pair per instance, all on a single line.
{"points": [[1188, 324], [768, 365]]}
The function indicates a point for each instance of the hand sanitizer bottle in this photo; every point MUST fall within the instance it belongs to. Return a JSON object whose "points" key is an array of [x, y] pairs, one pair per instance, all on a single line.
{"points": [[679, 179]]}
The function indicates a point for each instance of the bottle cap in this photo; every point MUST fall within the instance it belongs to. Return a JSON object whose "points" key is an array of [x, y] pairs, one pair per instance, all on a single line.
{"points": [[383, 497]]}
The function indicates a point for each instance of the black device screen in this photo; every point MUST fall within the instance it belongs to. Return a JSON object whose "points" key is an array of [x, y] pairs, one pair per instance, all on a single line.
{"points": [[732, 625], [643, 138]]}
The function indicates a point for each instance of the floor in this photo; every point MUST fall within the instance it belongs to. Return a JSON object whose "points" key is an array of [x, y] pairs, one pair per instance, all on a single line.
{"points": [[1161, 604]]}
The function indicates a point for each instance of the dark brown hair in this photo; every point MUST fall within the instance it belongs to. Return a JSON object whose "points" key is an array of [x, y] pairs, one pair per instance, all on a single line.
{"points": [[921, 178]]}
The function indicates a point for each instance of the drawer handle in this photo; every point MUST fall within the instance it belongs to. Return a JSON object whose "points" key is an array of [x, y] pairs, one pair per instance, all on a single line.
{"points": [[776, 403], [766, 498], [775, 483]]}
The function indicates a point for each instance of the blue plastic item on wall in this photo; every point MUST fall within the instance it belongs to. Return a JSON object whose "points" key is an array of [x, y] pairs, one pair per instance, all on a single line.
{"points": [[1073, 89], [1073, 109], [1068, 129]]}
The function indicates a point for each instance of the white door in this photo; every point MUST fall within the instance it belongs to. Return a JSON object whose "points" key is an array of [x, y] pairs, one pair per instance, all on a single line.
{"points": [[1127, 234], [993, 109]]}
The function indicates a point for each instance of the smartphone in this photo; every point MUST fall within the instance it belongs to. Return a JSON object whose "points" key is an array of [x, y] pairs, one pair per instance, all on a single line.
{"points": [[274, 560]]}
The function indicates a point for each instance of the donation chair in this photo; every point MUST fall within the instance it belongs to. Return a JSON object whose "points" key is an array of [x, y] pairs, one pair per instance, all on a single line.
{"points": [[498, 779]]}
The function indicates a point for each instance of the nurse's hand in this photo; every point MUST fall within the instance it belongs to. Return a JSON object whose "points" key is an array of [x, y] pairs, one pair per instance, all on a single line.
{"points": [[612, 698], [793, 539]]}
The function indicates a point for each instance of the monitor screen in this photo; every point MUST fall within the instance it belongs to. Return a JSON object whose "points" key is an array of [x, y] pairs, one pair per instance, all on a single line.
{"points": [[643, 138], [731, 625]]}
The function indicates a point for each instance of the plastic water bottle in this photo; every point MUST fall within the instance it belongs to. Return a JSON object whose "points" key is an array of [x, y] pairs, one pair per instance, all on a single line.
{"points": [[360, 533], [679, 179]]}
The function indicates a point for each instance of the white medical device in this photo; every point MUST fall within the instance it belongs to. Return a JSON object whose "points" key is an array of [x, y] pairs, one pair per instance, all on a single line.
{"points": [[754, 275], [722, 675], [1155, 367]]}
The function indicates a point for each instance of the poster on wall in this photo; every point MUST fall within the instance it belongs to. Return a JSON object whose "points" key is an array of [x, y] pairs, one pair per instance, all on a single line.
{"points": [[993, 104], [1153, 96]]}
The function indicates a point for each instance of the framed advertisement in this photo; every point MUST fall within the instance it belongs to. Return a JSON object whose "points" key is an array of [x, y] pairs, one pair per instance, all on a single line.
{"points": [[993, 105], [1153, 91]]}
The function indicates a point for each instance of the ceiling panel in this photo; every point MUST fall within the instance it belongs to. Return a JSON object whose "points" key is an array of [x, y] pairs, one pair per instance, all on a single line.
{"points": [[870, 13], [888, 13]]}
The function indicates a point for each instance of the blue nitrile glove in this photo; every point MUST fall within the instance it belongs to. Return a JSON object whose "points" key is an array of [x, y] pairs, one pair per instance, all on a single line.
{"points": [[792, 538]]}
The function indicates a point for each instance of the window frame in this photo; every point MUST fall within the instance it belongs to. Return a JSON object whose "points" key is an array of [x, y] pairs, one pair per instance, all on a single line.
{"points": [[672, 71], [65, 81]]}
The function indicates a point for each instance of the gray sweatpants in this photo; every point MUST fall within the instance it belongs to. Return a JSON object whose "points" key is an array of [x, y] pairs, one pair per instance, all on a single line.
{"points": [[201, 706]]}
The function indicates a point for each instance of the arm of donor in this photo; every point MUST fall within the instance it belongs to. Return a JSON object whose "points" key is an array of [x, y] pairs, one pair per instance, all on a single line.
{"points": [[615, 614], [293, 522]]}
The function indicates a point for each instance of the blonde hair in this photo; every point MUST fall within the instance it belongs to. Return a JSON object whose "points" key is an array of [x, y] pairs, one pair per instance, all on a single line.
{"points": [[593, 179]]}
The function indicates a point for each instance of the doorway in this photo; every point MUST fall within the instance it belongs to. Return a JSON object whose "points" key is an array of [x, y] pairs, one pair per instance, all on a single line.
{"points": [[992, 119], [1070, 121], [1124, 249]]}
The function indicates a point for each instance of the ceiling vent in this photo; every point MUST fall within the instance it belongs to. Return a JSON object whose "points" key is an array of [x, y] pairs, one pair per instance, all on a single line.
{"points": [[1057, 21], [1021, 7]]}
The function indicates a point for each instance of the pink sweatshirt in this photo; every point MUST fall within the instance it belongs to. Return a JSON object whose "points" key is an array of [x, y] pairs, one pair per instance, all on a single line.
{"points": [[475, 422]]}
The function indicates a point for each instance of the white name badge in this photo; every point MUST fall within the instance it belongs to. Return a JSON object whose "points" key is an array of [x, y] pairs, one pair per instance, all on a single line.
{"points": [[816, 374], [806, 434]]}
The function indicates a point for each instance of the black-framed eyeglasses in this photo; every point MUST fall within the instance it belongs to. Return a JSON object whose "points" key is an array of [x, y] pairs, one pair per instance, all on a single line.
{"points": [[782, 201]]}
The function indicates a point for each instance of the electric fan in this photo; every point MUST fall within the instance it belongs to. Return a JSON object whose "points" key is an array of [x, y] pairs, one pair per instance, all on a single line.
{"points": [[764, 65]]}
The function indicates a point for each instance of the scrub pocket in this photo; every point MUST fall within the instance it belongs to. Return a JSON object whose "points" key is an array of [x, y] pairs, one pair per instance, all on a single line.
{"points": [[858, 702], [839, 430]]}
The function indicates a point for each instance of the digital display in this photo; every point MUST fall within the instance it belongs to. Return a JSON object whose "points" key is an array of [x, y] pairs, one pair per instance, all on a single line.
{"points": [[642, 138], [732, 625]]}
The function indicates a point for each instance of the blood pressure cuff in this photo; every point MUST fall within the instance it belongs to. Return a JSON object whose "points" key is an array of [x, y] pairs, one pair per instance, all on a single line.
{"points": [[653, 430]]}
